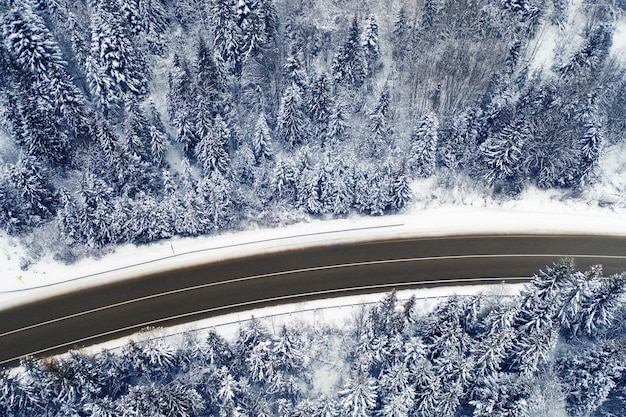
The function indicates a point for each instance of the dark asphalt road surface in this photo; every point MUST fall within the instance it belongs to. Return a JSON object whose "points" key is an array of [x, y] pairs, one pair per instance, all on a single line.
{"points": [[90, 316]]}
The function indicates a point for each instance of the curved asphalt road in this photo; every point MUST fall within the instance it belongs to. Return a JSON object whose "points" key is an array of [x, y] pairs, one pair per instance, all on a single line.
{"points": [[89, 316]]}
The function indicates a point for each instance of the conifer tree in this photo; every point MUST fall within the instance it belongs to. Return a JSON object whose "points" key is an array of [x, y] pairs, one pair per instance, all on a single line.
{"points": [[293, 69], [30, 43], [402, 193], [591, 147], [226, 33], [209, 80], [337, 124], [380, 125], [290, 118], [358, 396], [212, 148], [400, 35], [216, 201], [320, 104], [502, 154], [422, 154], [37, 129], [349, 65], [371, 46], [114, 52], [262, 139]]}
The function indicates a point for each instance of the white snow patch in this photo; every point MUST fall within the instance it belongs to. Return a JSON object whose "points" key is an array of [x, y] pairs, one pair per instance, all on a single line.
{"points": [[543, 47], [618, 47]]}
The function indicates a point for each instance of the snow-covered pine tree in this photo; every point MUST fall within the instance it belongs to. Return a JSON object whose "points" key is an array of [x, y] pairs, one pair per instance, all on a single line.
{"points": [[284, 179], [606, 299], [288, 353], [576, 292], [137, 131], [129, 9], [16, 397], [262, 139], [337, 124], [104, 95], [26, 197], [261, 363], [37, 129], [266, 11], [422, 160], [212, 148], [458, 142], [293, 69], [290, 122], [503, 153], [371, 46], [244, 165], [114, 52], [147, 20], [401, 194], [68, 218], [335, 190], [320, 104], [588, 374], [30, 43], [187, 221], [36, 195], [216, 201], [591, 147], [504, 394], [252, 22], [349, 66], [358, 396], [400, 35], [209, 79], [380, 125], [308, 191], [226, 33]]}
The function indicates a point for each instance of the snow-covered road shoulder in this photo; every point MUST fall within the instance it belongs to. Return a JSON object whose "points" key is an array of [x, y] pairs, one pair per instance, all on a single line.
{"points": [[48, 277]]}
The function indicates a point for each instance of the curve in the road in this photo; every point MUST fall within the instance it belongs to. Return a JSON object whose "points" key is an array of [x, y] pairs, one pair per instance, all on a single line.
{"points": [[93, 315]]}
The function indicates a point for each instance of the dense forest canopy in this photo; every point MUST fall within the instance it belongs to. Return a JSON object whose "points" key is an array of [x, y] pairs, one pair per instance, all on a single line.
{"points": [[556, 349], [136, 120]]}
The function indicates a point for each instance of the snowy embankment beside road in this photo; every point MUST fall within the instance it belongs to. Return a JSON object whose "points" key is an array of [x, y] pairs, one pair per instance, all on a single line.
{"points": [[47, 277]]}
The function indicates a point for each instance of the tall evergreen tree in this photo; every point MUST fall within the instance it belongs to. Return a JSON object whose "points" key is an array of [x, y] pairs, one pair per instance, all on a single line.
{"points": [[226, 33], [591, 147], [262, 139], [349, 65], [503, 153], [320, 104], [371, 46], [212, 148], [337, 124], [290, 123], [422, 153], [293, 69], [30, 43], [209, 79], [358, 396], [113, 50]]}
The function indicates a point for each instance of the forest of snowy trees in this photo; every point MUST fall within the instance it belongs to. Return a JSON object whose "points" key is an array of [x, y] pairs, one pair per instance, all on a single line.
{"points": [[136, 120], [557, 349]]}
